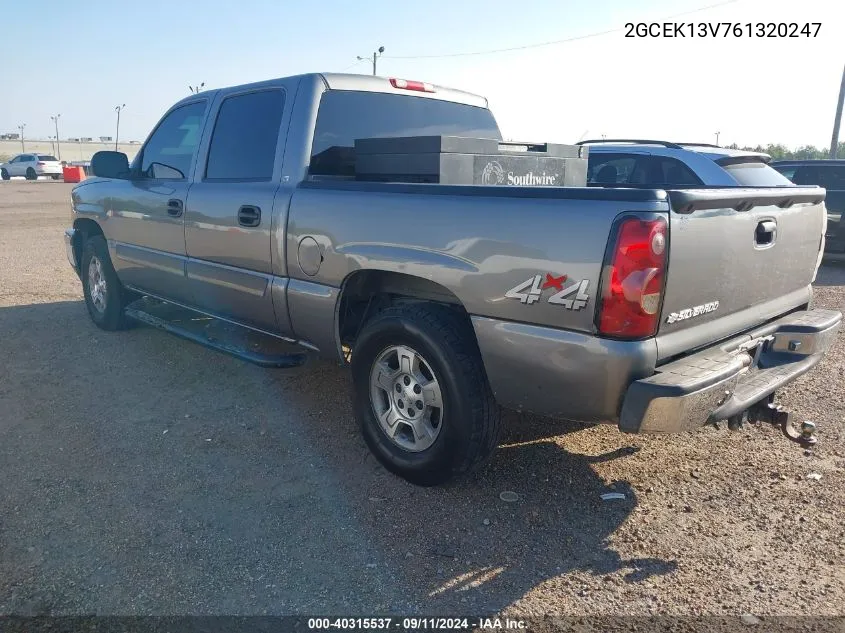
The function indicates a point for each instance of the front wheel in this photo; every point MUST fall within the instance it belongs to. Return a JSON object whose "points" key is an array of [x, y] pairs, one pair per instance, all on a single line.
{"points": [[421, 394], [4, 174], [105, 296], [30, 174]]}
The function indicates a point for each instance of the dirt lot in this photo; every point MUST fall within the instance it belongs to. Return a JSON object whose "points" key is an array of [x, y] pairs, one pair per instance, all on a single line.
{"points": [[142, 474]]}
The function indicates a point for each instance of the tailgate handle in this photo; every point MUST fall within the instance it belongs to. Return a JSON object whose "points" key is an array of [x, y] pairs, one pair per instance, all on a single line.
{"points": [[766, 233]]}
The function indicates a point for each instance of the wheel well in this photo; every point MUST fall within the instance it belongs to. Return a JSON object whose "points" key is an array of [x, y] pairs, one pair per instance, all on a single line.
{"points": [[366, 292], [85, 229]]}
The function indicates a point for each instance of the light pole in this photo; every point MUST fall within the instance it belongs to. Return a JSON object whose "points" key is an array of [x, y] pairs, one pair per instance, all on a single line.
{"points": [[117, 132], [834, 141], [21, 127], [376, 55], [52, 145], [196, 89], [58, 145], [717, 137]]}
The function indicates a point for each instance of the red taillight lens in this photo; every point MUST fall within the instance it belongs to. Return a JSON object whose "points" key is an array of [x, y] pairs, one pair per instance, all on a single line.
{"points": [[632, 280], [39, 164], [406, 84]]}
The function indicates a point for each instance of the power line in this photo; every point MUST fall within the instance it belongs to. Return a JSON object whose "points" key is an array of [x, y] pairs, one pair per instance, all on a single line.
{"points": [[353, 65], [553, 42]]}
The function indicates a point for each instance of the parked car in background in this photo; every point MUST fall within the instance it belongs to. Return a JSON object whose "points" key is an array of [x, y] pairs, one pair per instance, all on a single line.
{"points": [[30, 166], [649, 163], [829, 174]]}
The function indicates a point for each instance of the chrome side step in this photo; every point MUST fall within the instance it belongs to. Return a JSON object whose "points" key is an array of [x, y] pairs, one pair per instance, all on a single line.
{"points": [[243, 343]]}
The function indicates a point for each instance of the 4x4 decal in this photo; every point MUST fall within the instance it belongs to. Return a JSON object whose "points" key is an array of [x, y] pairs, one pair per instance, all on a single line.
{"points": [[531, 290]]}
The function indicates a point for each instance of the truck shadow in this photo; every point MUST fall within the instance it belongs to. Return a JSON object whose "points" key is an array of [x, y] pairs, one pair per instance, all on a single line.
{"points": [[251, 441], [461, 546]]}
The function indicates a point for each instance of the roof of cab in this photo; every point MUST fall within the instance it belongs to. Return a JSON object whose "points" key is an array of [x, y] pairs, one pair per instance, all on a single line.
{"points": [[366, 83]]}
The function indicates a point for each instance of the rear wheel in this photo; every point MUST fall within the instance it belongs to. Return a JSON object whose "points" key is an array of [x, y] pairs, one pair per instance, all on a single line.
{"points": [[56, 176], [105, 296], [4, 174], [30, 174], [421, 395]]}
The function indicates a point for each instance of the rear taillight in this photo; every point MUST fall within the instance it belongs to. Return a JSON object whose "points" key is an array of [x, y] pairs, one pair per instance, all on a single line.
{"points": [[405, 84], [39, 164], [632, 278]]}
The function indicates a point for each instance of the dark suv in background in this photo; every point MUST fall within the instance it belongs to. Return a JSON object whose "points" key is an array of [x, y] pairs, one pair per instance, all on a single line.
{"points": [[829, 174]]}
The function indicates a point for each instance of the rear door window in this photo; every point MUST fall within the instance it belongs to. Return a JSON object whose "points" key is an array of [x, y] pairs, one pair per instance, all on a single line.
{"points": [[348, 115], [610, 169], [243, 144], [673, 173]]}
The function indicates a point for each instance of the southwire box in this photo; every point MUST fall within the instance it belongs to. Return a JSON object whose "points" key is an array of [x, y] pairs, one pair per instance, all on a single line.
{"points": [[455, 160]]}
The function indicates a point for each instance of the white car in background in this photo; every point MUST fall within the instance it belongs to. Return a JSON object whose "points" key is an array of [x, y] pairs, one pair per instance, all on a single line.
{"points": [[30, 166]]}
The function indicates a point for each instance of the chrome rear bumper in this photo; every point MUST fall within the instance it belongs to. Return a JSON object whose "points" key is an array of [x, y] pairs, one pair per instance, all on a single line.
{"points": [[723, 381]]}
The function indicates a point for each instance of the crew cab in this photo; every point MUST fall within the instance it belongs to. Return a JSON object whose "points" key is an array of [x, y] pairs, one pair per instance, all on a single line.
{"points": [[659, 310]]}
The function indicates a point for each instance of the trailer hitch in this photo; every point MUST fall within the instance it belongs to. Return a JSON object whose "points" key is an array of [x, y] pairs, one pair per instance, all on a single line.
{"points": [[768, 411]]}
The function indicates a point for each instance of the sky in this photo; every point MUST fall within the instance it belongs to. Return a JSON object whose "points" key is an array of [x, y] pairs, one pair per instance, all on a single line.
{"points": [[81, 59]]}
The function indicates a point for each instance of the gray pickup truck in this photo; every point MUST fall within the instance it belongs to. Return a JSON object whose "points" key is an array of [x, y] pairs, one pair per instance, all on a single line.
{"points": [[656, 310]]}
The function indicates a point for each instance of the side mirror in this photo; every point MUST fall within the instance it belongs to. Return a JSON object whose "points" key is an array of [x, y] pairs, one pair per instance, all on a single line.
{"points": [[110, 165]]}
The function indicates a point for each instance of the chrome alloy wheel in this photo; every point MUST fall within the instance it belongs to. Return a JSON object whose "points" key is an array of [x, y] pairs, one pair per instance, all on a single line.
{"points": [[406, 398], [97, 284]]}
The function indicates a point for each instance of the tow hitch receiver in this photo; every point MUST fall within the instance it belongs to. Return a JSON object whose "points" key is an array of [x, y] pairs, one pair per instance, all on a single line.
{"points": [[767, 411]]}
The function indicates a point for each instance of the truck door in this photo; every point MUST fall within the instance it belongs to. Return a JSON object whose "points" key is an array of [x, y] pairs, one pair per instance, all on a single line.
{"points": [[229, 215], [145, 230]]}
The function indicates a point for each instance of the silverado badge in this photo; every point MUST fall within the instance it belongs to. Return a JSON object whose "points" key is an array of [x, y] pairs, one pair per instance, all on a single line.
{"points": [[692, 312]]}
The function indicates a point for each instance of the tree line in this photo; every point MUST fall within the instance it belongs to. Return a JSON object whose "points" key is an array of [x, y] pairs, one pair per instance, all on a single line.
{"points": [[782, 152]]}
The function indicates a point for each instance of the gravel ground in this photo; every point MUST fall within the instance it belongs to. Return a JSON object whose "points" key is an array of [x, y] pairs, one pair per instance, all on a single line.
{"points": [[142, 474]]}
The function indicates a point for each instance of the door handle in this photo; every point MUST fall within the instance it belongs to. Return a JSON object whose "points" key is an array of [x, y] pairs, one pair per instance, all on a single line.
{"points": [[175, 207], [766, 232], [249, 215]]}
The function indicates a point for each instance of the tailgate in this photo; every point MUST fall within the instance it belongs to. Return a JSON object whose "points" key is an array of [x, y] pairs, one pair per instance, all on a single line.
{"points": [[737, 258]]}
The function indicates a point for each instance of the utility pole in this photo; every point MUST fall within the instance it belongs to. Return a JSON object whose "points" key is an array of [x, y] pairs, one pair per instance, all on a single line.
{"points": [[834, 141], [117, 132], [717, 137], [196, 89], [21, 127], [58, 145], [376, 55]]}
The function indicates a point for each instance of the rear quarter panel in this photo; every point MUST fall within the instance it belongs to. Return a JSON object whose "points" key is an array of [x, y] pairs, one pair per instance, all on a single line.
{"points": [[476, 242]]}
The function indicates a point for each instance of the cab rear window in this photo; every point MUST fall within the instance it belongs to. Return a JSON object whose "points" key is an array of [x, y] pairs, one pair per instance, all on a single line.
{"points": [[348, 115], [755, 174]]}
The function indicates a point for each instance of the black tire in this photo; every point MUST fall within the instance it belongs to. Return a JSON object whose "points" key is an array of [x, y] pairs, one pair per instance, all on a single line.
{"points": [[56, 176], [110, 316], [30, 174], [4, 174], [471, 420]]}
